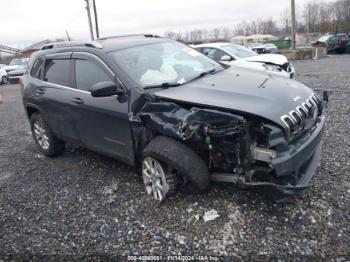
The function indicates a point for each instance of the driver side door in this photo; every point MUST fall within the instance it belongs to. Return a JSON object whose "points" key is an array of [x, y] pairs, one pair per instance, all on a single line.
{"points": [[103, 121]]}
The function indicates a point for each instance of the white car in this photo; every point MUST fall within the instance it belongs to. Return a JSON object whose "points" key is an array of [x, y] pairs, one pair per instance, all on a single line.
{"points": [[232, 54], [3, 76], [16, 64]]}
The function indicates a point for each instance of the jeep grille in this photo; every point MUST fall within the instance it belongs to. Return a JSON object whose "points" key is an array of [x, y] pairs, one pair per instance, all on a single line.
{"points": [[296, 120]]}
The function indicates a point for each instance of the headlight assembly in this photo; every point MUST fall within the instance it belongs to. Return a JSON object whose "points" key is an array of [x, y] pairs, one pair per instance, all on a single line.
{"points": [[273, 68]]}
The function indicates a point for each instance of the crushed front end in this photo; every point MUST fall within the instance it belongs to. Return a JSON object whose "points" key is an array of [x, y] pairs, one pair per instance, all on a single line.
{"points": [[250, 151]]}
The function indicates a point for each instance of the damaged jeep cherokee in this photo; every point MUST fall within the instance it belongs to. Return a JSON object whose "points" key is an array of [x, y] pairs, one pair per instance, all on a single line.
{"points": [[178, 117]]}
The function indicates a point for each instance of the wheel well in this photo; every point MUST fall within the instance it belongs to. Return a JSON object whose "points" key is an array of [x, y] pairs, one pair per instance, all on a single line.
{"points": [[31, 110]]}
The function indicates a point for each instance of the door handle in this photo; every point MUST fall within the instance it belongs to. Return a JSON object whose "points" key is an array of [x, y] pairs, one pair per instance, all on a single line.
{"points": [[40, 91], [78, 100]]}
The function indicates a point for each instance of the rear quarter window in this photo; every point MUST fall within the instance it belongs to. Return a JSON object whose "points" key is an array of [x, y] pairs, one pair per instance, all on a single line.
{"points": [[37, 68], [57, 71]]}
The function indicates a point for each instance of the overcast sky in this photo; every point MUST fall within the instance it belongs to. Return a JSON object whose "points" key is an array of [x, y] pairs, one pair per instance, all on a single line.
{"points": [[26, 21]]}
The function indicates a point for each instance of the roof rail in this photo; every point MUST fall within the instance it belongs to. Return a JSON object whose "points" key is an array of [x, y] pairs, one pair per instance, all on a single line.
{"points": [[128, 35], [72, 43]]}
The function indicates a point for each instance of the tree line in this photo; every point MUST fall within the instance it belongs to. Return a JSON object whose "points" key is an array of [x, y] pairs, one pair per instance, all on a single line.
{"points": [[314, 17]]}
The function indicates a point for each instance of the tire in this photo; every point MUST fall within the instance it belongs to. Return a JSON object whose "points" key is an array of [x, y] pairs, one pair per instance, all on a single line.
{"points": [[4, 80], [187, 164], [45, 139]]}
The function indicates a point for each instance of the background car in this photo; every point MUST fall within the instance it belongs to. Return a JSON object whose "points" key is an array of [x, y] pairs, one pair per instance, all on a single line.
{"points": [[257, 47], [3, 76], [232, 54], [15, 64], [339, 43], [14, 75], [270, 47]]}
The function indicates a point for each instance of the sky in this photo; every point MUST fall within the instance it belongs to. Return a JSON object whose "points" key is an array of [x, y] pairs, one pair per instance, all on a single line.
{"points": [[23, 22]]}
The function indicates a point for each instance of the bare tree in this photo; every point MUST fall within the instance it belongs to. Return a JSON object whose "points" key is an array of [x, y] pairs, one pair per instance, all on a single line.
{"points": [[216, 33]]}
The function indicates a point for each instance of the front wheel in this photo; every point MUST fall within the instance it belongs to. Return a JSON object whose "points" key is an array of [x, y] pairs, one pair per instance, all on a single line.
{"points": [[45, 139], [4, 80], [168, 164]]}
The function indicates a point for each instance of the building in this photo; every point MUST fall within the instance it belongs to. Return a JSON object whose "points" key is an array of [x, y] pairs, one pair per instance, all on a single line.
{"points": [[29, 50]]}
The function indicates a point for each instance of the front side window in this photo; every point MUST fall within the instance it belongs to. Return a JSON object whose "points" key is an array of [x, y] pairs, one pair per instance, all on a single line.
{"points": [[88, 73], [57, 71], [216, 54], [165, 62]]}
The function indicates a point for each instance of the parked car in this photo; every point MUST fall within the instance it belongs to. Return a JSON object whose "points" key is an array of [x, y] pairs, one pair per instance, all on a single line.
{"points": [[2, 65], [3, 76], [339, 43], [270, 47], [180, 124], [257, 47], [14, 75], [232, 54], [15, 64]]}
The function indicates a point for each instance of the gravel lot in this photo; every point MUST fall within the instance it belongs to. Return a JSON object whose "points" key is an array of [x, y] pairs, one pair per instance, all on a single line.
{"points": [[83, 203]]}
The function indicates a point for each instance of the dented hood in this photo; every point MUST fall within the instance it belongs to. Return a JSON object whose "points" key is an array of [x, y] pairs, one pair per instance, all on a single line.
{"points": [[242, 90], [268, 58]]}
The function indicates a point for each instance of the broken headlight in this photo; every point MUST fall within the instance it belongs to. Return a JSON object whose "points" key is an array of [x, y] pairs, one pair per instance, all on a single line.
{"points": [[273, 68]]}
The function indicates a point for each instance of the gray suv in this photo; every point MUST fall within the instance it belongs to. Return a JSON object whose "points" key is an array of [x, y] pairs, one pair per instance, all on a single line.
{"points": [[178, 117]]}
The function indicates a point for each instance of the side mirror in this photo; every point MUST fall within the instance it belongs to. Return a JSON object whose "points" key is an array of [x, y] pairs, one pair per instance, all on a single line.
{"points": [[107, 88], [225, 58]]}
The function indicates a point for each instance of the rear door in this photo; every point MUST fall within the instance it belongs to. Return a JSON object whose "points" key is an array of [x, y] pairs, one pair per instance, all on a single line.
{"points": [[103, 121], [55, 96]]}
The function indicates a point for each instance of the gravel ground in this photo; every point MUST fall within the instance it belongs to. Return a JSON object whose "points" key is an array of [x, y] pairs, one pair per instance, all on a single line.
{"points": [[83, 203]]}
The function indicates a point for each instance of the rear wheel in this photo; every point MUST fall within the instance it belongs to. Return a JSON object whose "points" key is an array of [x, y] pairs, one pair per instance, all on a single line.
{"points": [[168, 164], [45, 139]]}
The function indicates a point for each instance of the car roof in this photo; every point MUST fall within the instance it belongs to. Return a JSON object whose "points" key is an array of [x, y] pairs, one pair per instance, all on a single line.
{"points": [[107, 44], [122, 42]]}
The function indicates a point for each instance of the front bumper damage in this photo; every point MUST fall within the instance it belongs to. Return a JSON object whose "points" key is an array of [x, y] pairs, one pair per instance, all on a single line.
{"points": [[300, 161]]}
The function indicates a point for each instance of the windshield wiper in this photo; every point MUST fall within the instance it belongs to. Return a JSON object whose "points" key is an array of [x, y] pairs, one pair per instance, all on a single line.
{"points": [[203, 74], [162, 85]]}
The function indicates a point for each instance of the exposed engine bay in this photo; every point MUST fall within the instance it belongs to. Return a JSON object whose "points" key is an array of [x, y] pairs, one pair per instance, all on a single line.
{"points": [[236, 149]]}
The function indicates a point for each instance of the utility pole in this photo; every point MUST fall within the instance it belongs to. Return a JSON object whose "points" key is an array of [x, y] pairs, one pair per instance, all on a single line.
{"points": [[89, 18], [68, 37], [293, 23], [96, 21]]}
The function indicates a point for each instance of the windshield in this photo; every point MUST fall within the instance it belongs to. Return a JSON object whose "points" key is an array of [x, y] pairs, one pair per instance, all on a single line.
{"points": [[166, 62], [18, 62], [239, 51]]}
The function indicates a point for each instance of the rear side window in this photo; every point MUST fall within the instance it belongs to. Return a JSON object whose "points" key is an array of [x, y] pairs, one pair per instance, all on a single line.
{"points": [[37, 68], [88, 73], [57, 71]]}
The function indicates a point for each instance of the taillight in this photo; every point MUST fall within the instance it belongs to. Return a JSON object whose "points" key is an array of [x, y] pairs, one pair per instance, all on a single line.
{"points": [[20, 81]]}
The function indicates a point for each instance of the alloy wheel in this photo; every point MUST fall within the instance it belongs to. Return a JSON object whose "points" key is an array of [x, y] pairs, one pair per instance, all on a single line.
{"points": [[41, 134], [154, 179]]}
